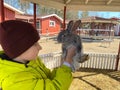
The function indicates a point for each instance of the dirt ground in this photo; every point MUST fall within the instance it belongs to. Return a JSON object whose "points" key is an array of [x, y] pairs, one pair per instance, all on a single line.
{"points": [[89, 79], [51, 45]]}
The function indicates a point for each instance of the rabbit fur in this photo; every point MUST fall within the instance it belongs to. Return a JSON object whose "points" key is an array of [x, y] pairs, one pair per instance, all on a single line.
{"points": [[68, 38]]}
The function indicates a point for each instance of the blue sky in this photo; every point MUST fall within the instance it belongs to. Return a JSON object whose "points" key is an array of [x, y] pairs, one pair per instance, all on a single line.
{"points": [[104, 14]]}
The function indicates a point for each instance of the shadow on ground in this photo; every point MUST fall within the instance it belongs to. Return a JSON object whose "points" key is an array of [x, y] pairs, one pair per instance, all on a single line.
{"points": [[96, 79], [111, 73]]}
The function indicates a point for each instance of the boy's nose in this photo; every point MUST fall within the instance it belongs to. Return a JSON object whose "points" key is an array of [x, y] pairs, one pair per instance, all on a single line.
{"points": [[39, 47]]}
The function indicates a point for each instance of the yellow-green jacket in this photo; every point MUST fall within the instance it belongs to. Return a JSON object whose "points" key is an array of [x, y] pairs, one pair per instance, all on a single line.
{"points": [[33, 76]]}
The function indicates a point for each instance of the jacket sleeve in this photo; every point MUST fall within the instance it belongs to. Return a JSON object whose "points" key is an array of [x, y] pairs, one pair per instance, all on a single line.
{"points": [[60, 80], [62, 77], [58, 77]]}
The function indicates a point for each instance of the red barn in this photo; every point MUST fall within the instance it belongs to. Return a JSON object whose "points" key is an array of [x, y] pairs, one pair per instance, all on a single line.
{"points": [[10, 12], [49, 24]]}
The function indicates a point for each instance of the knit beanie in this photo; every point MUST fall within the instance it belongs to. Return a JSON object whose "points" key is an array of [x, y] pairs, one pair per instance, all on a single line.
{"points": [[17, 36]]}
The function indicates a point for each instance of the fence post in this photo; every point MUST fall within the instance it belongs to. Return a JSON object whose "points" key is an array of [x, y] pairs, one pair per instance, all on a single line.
{"points": [[117, 59]]}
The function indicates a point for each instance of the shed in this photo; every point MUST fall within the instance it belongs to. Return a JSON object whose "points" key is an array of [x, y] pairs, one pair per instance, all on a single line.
{"points": [[49, 24], [96, 24], [10, 12], [46, 25]]}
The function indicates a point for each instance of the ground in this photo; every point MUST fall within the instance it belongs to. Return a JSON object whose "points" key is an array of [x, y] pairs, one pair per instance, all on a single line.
{"points": [[51, 45], [89, 79]]}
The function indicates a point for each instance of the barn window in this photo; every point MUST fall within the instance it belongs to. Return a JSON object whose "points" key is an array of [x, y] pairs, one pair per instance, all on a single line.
{"points": [[52, 23], [38, 25]]}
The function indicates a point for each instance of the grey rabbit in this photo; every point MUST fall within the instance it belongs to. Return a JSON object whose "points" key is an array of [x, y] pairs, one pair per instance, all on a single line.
{"points": [[68, 38]]}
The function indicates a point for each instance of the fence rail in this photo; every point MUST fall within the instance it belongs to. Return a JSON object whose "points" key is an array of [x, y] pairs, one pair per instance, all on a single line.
{"points": [[96, 61]]}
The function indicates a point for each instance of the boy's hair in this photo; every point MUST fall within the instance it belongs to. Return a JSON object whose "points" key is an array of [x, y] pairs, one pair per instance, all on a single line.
{"points": [[17, 36]]}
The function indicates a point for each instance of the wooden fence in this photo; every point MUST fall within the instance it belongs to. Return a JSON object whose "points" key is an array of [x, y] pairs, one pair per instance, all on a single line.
{"points": [[96, 61], [50, 60]]}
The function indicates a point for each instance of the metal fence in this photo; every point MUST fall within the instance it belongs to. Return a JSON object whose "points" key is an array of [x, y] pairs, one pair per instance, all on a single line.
{"points": [[96, 61]]}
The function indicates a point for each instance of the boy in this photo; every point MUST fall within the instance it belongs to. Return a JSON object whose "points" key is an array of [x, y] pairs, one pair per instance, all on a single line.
{"points": [[20, 66]]}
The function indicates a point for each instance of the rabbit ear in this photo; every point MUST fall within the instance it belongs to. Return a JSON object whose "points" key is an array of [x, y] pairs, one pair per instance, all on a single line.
{"points": [[76, 25], [70, 24]]}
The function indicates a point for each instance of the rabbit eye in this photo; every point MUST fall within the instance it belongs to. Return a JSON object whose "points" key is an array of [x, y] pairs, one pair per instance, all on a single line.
{"points": [[63, 35]]}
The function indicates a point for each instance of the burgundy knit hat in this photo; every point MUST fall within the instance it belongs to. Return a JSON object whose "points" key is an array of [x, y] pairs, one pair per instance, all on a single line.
{"points": [[16, 37]]}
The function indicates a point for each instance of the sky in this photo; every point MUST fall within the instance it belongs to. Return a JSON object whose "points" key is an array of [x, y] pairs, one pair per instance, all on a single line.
{"points": [[104, 14]]}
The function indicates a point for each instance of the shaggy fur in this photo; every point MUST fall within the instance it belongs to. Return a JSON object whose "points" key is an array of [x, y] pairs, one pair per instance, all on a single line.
{"points": [[68, 38]]}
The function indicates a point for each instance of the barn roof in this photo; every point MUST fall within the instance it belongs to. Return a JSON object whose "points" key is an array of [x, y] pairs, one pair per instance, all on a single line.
{"points": [[115, 18], [95, 18], [98, 19], [51, 15], [25, 16], [12, 8]]}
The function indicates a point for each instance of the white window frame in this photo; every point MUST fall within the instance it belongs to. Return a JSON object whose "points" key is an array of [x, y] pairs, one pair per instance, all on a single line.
{"points": [[38, 23], [52, 23]]}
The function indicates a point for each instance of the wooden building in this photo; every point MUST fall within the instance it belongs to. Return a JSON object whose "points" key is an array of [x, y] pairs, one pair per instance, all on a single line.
{"points": [[10, 12], [98, 26], [46, 25]]}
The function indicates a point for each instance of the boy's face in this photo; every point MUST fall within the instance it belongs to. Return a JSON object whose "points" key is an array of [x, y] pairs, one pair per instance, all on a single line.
{"points": [[30, 54]]}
